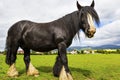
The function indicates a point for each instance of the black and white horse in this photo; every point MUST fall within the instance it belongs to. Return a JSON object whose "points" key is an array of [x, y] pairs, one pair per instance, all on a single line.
{"points": [[43, 37]]}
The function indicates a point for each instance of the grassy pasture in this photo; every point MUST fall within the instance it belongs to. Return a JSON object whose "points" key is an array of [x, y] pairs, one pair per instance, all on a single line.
{"points": [[83, 67]]}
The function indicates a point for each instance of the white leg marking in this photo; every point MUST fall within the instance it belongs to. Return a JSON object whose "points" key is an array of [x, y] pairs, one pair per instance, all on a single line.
{"points": [[12, 71], [32, 70], [64, 75]]}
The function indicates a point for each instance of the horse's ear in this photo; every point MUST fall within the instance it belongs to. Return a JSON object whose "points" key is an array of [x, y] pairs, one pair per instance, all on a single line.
{"points": [[93, 4], [78, 6]]}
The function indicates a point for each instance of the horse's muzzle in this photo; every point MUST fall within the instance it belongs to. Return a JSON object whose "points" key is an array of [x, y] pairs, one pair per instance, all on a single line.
{"points": [[90, 33]]}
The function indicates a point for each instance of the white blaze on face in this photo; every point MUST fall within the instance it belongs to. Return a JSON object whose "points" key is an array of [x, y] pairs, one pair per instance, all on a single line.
{"points": [[90, 22]]}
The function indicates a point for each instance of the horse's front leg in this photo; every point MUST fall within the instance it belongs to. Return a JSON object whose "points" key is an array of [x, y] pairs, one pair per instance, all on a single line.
{"points": [[61, 66]]}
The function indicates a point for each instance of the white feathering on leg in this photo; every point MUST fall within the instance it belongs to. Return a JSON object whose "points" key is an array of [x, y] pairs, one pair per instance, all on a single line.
{"points": [[32, 70], [12, 71], [64, 75], [69, 76]]}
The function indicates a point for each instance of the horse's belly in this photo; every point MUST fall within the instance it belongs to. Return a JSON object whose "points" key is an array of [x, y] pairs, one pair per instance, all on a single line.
{"points": [[42, 46], [44, 49]]}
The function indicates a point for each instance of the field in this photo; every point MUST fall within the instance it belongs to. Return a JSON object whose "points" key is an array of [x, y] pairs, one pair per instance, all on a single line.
{"points": [[83, 67]]}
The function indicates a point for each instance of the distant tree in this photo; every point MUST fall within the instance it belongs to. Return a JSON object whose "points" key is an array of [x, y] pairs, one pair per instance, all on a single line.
{"points": [[118, 51], [101, 51], [82, 51]]}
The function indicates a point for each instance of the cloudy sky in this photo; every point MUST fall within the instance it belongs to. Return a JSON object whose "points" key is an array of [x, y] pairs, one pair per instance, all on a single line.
{"points": [[12, 11]]}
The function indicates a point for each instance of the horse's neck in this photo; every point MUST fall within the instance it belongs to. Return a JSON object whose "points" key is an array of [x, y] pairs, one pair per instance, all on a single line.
{"points": [[71, 23]]}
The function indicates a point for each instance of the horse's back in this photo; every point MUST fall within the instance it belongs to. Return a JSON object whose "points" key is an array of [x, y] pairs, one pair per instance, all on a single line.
{"points": [[37, 36], [17, 27]]}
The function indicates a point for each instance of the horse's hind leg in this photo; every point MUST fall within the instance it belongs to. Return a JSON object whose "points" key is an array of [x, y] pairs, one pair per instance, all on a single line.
{"points": [[10, 59], [31, 70]]}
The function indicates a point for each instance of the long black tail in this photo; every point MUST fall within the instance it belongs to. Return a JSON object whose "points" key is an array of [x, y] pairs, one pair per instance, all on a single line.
{"points": [[8, 51], [11, 49]]}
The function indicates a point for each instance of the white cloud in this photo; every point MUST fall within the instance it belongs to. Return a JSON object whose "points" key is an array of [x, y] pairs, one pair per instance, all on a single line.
{"points": [[108, 10], [12, 11]]}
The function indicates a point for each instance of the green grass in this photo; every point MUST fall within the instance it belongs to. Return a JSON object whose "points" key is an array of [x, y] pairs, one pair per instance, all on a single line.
{"points": [[83, 67]]}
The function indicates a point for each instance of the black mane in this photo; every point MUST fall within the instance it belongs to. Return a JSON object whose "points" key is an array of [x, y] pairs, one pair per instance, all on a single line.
{"points": [[92, 12]]}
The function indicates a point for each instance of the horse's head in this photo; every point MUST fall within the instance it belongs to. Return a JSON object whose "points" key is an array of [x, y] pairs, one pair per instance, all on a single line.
{"points": [[87, 16]]}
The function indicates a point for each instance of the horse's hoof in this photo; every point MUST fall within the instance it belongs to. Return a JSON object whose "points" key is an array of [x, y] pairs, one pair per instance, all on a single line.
{"points": [[36, 75], [64, 75], [12, 73], [33, 73]]}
